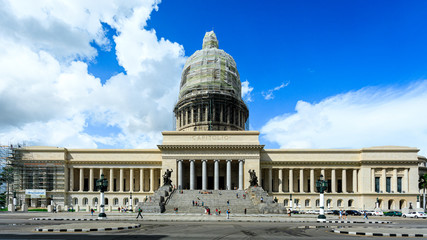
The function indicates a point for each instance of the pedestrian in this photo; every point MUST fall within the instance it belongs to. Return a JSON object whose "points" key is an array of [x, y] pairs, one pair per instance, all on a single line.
{"points": [[118, 209], [216, 211], [228, 213], [245, 211], [228, 203], [193, 203], [139, 213], [91, 211], [365, 215], [345, 214], [237, 195], [340, 217], [289, 212]]}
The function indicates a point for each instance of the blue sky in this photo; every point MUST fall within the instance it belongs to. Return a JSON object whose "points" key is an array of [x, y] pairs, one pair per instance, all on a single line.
{"points": [[347, 74]]}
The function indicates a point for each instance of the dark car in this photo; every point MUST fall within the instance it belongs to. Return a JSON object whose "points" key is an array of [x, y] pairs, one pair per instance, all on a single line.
{"points": [[295, 212], [393, 213], [353, 212], [335, 212]]}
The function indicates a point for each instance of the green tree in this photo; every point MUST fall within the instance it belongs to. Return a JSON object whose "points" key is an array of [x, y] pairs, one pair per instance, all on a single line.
{"points": [[422, 184]]}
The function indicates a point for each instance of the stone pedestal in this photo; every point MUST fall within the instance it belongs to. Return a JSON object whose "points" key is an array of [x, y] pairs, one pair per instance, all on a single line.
{"points": [[49, 208], [11, 208], [66, 208], [24, 208]]}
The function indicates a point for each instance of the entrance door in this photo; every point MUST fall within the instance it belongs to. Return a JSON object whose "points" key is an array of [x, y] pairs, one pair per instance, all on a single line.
{"points": [[199, 182], [221, 182], [210, 182]]}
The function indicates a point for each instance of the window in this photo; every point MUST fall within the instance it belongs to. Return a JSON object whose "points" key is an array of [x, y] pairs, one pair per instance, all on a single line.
{"points": [[388, 184], [296, 202], [136, 201], [76, 201], [105, 201], [286, 203], [377, 184], [125, 201], [115, 201], [399, 184], [85, 201], [329, 203], [307, 203], [339, 203], [95, 201], [308, 186], [317, 203], [350, 203], [339, 186]]}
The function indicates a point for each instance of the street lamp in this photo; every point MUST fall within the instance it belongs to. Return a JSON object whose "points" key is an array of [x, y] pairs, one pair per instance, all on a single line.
{"points": [[291, 202], [130, 203], [14, 201], [321, 186], [102, 185]]}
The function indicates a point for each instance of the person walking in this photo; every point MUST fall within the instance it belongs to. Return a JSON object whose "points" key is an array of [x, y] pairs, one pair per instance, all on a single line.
{"points": [[365, 215], [91, 211], [245, 211], [345, 214], [228, 213], [340, 217], [139, 213], [289, 212]]}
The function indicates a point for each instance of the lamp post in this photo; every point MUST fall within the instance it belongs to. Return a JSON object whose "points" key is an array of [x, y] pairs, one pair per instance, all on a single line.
{"points": [[130, 203], [291, 202], [14, 201], [102, 185], [321, 186]]}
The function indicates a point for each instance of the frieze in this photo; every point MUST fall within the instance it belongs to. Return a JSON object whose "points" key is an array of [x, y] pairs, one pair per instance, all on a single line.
{"points": [[210, 137]]}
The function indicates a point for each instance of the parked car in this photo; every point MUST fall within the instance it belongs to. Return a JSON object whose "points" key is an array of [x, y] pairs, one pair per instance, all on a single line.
{"points": [[369, 213], [377, 213], [295, 212], [335, 212], [414, 215], [353, 212], [393, 213]]}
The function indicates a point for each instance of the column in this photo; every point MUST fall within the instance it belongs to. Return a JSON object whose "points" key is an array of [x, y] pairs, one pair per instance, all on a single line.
{"points": [[355, 180], [241, 174], [71, 179], [66, 179], [216, 174], [81, 180], [301, 180], [270, 180], [406, 181], [312, 181], [291, 180], [344, 181], [228, 174], [131, 180], [91, 180], [204, 175], [111, 179], [151, 179], [383, 181], [192, 174], [333, 181], [372, 180], [141, 180], [101, 171], [121, 180], [280, 185], [179, 174], [394, 182]]}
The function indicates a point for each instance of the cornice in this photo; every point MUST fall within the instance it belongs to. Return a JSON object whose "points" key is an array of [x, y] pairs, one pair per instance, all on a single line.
{"points": [[115, 163], [310, 163], [210, 157], [210, 146], [210, 133]]}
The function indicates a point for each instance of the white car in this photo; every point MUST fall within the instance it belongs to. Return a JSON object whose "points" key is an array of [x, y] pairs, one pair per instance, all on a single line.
{"points": [[414, 215], [377, 213]]}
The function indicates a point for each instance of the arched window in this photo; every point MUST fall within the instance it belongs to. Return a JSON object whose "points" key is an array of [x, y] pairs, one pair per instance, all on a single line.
{"points": [[296, 202], [307, 202], [390, 204], [317, 202], [116, 201], [286, 202], [76, 201], [339, 203], [125, 201], [85, 201], [95, 201], [350, 202], [106, 201], [135, 201], [402, 203], [329, 203]]}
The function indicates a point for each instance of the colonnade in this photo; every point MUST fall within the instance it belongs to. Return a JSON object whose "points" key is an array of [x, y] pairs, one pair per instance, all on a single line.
{"points": [[204, 173], [119, 179]]}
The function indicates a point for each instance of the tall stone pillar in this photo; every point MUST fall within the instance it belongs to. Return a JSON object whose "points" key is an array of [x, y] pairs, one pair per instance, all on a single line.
{"points": [[355, 181], [66, 179], [291, 180], [141, 180], [179, 174], [71, 179], [192, 175], [333, 181], [312, 190], [373, 180], [301, 180], [151, 179], [228, 174], [111, 180], [344, 181], [394, 182], [91, 180], [280, 182], [121, 180], [241, 174], [204, 175], [270, 180], [406, 177], [216, 174], [383, 180], [131, 180]]}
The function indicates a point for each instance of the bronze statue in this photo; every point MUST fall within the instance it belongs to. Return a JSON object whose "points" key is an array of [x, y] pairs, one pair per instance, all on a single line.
{"points": [[253, 178], [167, 177]]}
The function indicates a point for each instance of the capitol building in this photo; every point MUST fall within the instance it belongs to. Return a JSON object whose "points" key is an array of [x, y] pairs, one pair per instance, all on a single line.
{"points": [[212, 149]]}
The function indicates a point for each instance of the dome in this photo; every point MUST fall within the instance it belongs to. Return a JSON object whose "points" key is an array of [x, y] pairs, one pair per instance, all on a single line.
{"points": [[210, 70]]}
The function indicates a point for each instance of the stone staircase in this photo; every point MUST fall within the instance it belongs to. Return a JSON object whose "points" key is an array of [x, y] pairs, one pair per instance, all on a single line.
{"points": [[183, 200]]}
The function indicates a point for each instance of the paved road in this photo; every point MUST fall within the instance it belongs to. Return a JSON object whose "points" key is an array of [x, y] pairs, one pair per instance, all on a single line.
{"points": [[13, 226]]}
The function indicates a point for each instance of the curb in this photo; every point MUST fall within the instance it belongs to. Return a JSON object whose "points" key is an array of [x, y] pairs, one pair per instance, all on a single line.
{"points": [[379, 234], [66, 219], [336, 221], [85, 229]]}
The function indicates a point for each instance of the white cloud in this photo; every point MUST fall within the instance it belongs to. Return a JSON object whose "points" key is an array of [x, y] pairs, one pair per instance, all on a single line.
{"points": [[269, 94], [247, 91], [368, 117], [47, 96]]}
